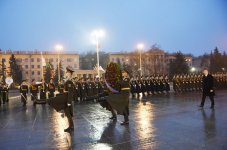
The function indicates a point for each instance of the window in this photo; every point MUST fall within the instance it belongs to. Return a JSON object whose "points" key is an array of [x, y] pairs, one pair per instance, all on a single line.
{"points": [[51, 60], [26, 72], [69, 59], [33, 72], [26, 60], [32, 59], [26, 66], [38, 66], [19, 60], [33, 67], [38, 60], [112, 59], [38, 72]]}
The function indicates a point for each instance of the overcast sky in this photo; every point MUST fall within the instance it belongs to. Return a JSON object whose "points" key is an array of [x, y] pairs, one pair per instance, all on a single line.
{"points": [[191, 26]]}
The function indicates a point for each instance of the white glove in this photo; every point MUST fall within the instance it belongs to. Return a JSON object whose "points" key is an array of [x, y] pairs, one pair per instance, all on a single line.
{"points": [[68, 104]]}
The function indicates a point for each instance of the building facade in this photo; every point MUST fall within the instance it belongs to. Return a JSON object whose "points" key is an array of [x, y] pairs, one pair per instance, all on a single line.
{"points": [[33, 63], [154, 61]]}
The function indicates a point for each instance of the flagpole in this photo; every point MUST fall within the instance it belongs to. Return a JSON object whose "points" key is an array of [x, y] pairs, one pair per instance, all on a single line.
{"points": [[42, 64]]}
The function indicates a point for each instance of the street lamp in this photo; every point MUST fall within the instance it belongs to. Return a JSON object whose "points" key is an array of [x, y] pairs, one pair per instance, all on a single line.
{"points": [[97, 34], [140, 47], [59, 48], [193, 69]]}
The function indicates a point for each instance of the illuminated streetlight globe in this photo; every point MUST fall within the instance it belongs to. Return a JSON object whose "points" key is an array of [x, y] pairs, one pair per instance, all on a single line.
{"points": [[140, 46], [59, 47], [193, 69], [98, 33]]}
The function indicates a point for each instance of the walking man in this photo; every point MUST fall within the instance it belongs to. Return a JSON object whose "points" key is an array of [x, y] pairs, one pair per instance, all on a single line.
{"points": [[208, 88]]}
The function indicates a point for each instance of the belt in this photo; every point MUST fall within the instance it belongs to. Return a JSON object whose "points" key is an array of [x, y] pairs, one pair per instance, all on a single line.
{"points": [[124, 89]]}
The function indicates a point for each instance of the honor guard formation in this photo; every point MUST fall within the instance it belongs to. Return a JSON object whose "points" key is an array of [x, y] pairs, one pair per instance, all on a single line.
{"points": [[149, 85], [193, 82], [94, 89]]}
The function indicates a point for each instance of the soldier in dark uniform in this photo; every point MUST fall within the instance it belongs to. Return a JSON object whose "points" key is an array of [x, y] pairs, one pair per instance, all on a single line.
{"points": [[133, 87], [76, 93], [69, 88], [96, 89], [125, 90], [33, 90], [138, 86], [208, 88], [5, 91], [143, 85], [61, 86], [24, 92], [43, 89], [84, 87], [51, 88]]}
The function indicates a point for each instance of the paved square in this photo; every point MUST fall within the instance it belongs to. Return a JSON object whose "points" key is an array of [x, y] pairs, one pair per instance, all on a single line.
{"points": [[163, 122]]}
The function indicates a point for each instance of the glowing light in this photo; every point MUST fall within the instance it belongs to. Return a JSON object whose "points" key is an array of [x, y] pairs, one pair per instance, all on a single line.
{"points": [[59, 47], [140, 46], [193, 69]]}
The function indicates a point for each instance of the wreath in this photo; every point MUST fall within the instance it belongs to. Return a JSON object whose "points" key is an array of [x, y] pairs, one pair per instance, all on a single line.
{"points": [[113, 75]]}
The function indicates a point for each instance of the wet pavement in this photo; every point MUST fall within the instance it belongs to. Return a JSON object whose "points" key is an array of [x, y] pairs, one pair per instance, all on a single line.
{"points": [[164, 122]]}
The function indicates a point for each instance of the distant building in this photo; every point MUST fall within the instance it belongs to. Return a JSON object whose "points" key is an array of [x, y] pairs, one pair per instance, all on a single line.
{"points": [[154, 61], [33, 65]]}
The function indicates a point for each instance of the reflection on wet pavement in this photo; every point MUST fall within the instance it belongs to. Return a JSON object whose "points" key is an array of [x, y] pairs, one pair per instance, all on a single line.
{"points": [[165, 122]]}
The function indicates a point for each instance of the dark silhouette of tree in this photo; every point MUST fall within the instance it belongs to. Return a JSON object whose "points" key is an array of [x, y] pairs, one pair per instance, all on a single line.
{"points": [[216, 61], [178, 66], [56, 73], [49, 72], [14, 70], [89, 60]]}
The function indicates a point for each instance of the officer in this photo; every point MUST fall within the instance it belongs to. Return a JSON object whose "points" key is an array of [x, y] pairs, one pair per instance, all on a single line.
{"points": [[24, 92], [33, 90], [125, 90], [69, 88], [84, 87], [43, 89], [51, 88], [133, 87], [4, 93]]}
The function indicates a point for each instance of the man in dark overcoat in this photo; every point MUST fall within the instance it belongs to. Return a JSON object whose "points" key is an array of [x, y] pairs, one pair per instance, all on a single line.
{"points": [[208, 88]]}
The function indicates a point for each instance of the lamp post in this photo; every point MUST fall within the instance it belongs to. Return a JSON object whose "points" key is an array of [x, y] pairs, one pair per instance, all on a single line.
{"points": [[140, 47], [97, 34], [59, 48]]}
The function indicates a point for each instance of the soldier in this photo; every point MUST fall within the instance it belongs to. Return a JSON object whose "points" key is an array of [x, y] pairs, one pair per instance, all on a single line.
{"points": [[138, 86], [166, 83], [33, 90], [69, 88], [133, 87], [143, 85], [96, 89], [90, 88], [125, 90], [24, 92], [76, 93], [5, 93], [84, 87], [43, 89], [61, 86], [51, 88]]}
